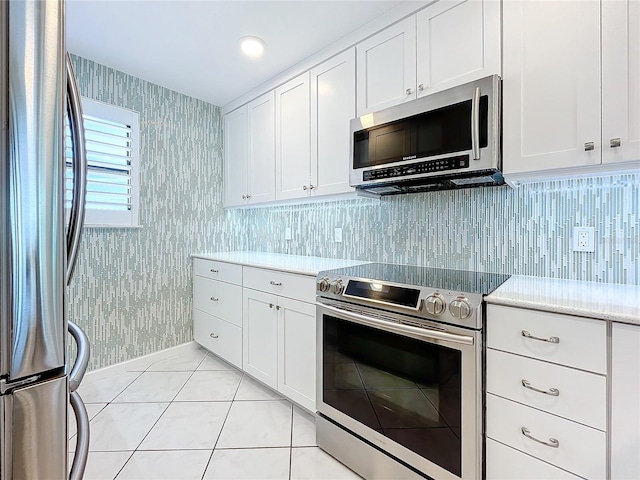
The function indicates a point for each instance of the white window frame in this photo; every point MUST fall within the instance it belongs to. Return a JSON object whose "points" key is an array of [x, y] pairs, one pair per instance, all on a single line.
{"points": [[109, 218]]}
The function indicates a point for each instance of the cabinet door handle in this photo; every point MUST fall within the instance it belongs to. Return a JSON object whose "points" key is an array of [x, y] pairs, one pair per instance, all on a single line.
{"points": [[554, 392], [408, 91], [275, 284], [553, 443], [213, 270], [271, 305], [304, 187], [589, 146], [213, 335], [311, 187], [614, 142], [526, 334], [248, 196], [214, 299], [420, 87], [277, 307], [244, 197]]}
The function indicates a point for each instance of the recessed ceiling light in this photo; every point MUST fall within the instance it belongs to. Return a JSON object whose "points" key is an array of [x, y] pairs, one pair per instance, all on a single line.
{"points": [[252, 46]]}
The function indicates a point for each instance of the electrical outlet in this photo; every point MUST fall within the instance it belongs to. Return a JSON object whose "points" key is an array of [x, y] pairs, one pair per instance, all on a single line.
{"points": [[287, 233], [584, 239], [337, 234]]}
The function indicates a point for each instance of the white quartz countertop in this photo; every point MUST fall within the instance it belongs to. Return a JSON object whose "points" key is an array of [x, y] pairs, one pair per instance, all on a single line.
{"points": [[278, 261], [605, 301]]}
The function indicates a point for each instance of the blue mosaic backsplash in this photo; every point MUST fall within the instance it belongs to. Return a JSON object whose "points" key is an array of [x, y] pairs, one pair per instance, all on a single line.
{"points": [[132, 288]]}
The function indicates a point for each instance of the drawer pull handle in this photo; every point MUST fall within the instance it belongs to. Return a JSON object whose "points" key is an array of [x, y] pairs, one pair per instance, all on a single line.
{"points": [[271, 305], [553, 443], [214, 299], [554, 392], [277, 307], [213, 270], [275, 284], [526, 334], [213, 335]]}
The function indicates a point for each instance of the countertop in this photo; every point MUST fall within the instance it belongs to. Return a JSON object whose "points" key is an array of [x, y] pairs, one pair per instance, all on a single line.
{"points": [[300, 264], [605, 301]]}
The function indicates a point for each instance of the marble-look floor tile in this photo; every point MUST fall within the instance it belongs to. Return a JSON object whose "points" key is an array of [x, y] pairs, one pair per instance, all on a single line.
{"points": [[212, 362], [304, 428], [104, 465], [249, 464], [251, 389], [104, 387], [122, 426], [257, 424], [154, 387], [314, 464], [187, 425], [92, 410], [185, 360], [207, 386], [166, 465]]}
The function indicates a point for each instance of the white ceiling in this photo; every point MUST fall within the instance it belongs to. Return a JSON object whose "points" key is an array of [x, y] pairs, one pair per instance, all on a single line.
{"points": [[192, 46]]}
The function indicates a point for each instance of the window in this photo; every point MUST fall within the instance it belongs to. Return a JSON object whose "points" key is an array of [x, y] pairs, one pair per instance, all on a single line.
{"points": [[112, 144]]}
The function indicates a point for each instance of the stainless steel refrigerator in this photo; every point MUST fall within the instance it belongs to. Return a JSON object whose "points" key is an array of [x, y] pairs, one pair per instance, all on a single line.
{"points": [[37, 251]]}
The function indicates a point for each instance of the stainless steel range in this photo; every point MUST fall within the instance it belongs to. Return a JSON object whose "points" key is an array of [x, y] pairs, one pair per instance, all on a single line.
{"points": [[400, 369]]}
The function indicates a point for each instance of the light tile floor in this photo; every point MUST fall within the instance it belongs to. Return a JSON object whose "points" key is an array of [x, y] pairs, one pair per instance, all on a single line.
{"points": [[185, 414]]}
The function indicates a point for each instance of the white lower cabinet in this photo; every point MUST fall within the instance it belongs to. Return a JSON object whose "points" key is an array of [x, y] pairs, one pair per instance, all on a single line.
{"points": [[260, 336]]}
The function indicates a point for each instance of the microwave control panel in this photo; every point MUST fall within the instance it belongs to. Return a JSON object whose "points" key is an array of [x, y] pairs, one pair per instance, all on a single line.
{"points": [[442, 164]]}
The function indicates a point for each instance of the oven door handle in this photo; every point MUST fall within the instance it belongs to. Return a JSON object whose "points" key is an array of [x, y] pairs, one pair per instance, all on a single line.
{"points": [[416, 332]]}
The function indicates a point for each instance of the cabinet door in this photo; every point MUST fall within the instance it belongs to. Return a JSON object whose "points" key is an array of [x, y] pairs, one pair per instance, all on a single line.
{"points": [[333, 105], [458, 41], [620, 80], [297, 351], [293, 142], [551, 85], [261, 163], [235, 157], [386, 65], [260, 336], [625, 402]]}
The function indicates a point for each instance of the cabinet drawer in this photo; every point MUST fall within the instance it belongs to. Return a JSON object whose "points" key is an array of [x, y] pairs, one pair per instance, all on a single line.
{"points": [[582, 396], [298, 287], [222, 338], [581, 450], [220, 299], [225, 272], [506, 463], [581, 342]]}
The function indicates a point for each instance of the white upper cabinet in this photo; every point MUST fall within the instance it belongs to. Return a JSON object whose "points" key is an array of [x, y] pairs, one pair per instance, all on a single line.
{"points": [[551, 85], [235, 157], [333, 105], [387, 67], [261, 156], [620, 80], [293, 138], [458, 42]]}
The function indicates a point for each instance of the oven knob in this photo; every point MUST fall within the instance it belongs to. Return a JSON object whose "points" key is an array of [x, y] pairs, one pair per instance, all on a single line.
{"points": [[323, 284], [435, 304], [460, 308], [338, 287]]}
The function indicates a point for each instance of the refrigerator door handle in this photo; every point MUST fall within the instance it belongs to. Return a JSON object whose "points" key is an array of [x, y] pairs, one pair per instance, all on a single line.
{"points": [[82, 358], [76, 217], [82, 445]]}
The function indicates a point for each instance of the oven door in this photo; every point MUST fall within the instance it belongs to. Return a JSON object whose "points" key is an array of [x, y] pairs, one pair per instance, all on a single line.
{"points": [[412, 392]]}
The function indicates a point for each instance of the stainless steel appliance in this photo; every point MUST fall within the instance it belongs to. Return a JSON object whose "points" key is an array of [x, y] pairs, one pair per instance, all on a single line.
{"points": [[450, 139], [36, 260], [400, 369]]}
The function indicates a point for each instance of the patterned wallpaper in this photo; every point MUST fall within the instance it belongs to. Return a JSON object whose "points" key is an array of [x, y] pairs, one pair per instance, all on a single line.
{"points": [[132, 287], [131, 290], [523, 231]]}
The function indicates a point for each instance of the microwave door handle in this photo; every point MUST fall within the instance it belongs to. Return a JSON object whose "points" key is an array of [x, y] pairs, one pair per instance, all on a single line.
{"points": [[475, 124], [415, 332]]}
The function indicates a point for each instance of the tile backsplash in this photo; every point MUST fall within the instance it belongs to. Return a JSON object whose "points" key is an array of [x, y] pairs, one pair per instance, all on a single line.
{"points": [[131, 290], [525, 231]]}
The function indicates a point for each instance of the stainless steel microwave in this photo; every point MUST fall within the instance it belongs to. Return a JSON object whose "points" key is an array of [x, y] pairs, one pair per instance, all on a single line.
{"points": [[450, 139]]}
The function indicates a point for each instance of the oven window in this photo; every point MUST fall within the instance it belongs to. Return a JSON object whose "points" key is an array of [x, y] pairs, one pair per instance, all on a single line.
{"points": [[407, 390]]}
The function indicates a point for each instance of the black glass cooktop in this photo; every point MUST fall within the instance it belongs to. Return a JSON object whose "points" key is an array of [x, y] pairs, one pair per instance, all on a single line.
{"points": [[411, 275]]}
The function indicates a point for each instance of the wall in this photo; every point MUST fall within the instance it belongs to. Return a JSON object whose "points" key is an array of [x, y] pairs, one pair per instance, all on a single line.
{"points": [[131, 290], [524, 231]]}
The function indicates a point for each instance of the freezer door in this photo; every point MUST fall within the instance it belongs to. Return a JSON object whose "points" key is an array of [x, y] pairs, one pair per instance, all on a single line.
{"points": [[34, 437], [33, 250]]}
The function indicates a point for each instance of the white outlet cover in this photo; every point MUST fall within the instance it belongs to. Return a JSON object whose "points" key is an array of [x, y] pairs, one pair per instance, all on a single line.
{"points": [[584, 239], [337, 235]]}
